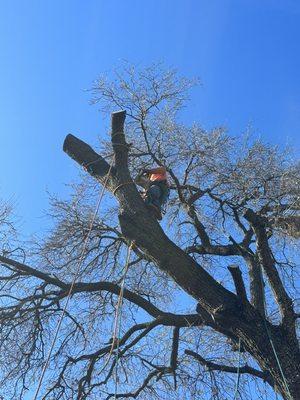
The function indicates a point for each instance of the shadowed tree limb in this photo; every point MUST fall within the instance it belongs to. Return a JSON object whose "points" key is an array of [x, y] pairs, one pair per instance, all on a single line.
{"points": [[216, 250], [25, 270], [174, 354], [268, 264], [175, 345], [211, 366], [82, 287], [85, 156], [256, 283]]}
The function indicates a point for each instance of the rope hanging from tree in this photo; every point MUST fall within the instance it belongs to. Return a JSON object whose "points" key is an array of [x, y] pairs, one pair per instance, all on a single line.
{"points": [[237, 384], [118, 317], [276, 354], [77, 271]]}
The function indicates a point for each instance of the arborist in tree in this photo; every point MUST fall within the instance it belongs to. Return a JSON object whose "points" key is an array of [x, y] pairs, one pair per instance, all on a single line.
{"points": [[156, 188]]}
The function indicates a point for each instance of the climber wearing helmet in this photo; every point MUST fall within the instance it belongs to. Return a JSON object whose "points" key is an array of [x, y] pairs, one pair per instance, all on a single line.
{"points": [[156, 186]]}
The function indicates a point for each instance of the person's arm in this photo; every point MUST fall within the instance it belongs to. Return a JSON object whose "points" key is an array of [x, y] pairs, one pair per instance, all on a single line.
{"points": [[142, 180]]}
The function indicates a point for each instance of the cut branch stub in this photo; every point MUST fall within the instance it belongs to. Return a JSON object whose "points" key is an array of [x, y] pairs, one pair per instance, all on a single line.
{"points": [[84, 155], [117, 121], [239, 283], [127, 192], [119, 143]]}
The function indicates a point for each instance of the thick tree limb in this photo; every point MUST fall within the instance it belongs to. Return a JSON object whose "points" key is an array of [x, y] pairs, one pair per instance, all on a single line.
{"points": [[267, 261], [85, 156], [211, 366], [216, 250], [169, 318], [29, 271], [82, 287], [175, 345], [256, 283]]}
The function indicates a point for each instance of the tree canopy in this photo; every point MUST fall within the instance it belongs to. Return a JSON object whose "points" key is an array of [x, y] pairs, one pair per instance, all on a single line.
{"points": [[209, 295]]}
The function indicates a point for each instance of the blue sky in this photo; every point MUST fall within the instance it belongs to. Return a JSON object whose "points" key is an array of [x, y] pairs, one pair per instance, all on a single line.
{"points": [[246, 54]]}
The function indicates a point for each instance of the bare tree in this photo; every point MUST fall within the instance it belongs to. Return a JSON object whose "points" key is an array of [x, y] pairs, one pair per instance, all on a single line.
{"points": [[210, 295]]}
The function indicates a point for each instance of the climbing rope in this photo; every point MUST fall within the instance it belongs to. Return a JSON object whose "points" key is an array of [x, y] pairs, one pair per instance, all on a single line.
{"points": [[77, 271], [277, 360], [117, 320], [273, 347], [118, 317], [237, 384]]}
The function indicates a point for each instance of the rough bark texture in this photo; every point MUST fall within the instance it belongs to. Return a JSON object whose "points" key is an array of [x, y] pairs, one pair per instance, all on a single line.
{"points": [[218, 307]]}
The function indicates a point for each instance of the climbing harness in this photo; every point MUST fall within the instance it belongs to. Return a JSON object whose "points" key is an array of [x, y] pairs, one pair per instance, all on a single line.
{"points": [[77, 271]]}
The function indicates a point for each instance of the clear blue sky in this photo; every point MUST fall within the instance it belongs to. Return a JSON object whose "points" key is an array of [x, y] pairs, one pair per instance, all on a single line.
{"points": [[246, 54]]}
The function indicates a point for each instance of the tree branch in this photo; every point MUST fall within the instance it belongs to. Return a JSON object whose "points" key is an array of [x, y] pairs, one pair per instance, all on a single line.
{"points": [[175, 345], [171, 319], [216, 250], [29, 271], [239, 283], [211, 366], [256, 283], [85, 156], [267, 261], [82, 287]]}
